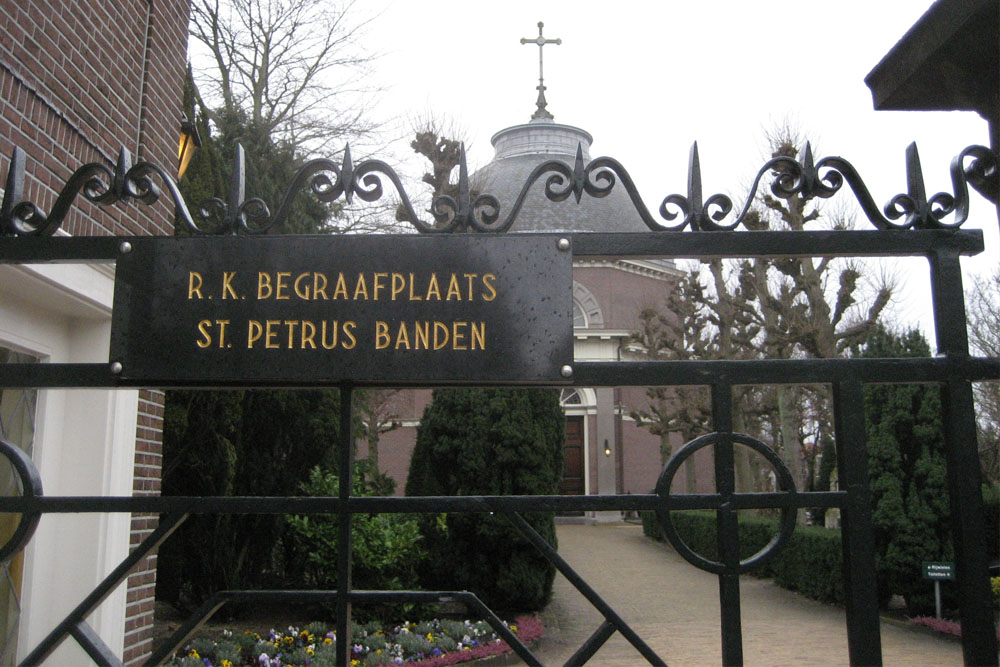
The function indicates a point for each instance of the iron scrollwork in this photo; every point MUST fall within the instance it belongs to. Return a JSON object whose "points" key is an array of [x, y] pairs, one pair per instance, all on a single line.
{"points": [[328, 181], [98, 183]]}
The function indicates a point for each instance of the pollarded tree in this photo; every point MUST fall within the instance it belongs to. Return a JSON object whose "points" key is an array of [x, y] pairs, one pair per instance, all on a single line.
{"points": [[488, 442], [906, 464], [697, 323], [805, 306]]}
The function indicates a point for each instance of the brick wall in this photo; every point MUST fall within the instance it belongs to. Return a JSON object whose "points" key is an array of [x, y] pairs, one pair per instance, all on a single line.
{"points": [[78, 80]]}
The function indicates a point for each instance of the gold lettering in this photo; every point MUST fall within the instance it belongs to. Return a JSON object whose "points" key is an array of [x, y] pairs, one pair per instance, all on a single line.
{"points": [[402, 338], [469, 277], [194, 284], [270, 335], [413, 297], [349, 327], [379, 285], [307, 338], [263, 285], [487, 278], [398, 284], [442, 340], [292, 325], [254, 332], [300, 291], [361, 287], [421, 335], [381, 335], [227, 284], [457, 335], [433, 288], [282, 285], [453, 288], [203, 329], [222, 332], [319, 286], [341, 289], [478, 335], [333, 343]]}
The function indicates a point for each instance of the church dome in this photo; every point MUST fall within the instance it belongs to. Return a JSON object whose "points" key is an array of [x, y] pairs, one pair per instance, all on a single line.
{"points": [[521, 148]]}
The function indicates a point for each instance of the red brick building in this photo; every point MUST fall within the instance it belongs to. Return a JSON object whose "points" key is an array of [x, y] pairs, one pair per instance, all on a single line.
{"points": [[77, 81]]}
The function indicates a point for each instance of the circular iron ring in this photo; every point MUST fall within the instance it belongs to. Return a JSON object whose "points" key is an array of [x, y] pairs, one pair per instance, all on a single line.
{"points": [[785, 483], [31, 486]]}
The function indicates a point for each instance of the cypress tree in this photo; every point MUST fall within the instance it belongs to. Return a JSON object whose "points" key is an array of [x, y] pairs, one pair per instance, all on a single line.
{"points": [[906, 463], [488, 442]]}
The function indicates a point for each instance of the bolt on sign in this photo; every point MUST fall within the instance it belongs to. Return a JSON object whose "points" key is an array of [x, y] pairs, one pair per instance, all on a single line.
{"points": [[316, 310]]}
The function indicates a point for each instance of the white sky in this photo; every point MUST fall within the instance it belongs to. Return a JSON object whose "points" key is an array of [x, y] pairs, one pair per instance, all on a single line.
{"points": [[646, 79]]}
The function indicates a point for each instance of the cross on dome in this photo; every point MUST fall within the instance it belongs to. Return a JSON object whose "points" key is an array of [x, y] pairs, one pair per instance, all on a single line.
{"points": [[541, 41]]}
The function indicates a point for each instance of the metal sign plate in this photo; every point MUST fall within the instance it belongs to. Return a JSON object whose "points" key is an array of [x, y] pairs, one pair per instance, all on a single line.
{"points": [[325, 309], [944, 571]]}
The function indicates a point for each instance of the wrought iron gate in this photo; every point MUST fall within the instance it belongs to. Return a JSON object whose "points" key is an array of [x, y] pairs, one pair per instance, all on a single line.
{"points": [[914, 225]]}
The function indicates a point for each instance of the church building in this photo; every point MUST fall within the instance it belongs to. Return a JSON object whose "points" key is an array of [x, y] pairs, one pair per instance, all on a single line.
{"points": [[606, 451]]}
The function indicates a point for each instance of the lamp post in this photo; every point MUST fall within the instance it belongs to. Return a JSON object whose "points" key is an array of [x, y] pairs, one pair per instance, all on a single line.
{"points": [[189, 143]]}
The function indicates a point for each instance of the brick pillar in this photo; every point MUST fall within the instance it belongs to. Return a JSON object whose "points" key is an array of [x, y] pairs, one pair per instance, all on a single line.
{"points": [[142, 581]]}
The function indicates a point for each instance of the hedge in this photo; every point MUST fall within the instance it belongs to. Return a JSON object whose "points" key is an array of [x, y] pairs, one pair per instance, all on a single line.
{"points": [[810, 563]]}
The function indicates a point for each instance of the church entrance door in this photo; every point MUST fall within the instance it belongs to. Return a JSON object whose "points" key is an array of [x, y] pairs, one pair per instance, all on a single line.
{"points": [[572, 480]]}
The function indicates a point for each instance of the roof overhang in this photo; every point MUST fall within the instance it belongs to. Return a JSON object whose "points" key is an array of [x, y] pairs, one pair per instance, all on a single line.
{"points": [[948, 60]]}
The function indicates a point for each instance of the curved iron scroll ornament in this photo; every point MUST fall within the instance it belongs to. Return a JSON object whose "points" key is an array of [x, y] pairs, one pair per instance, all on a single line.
{"points": [[328, 181], [784, 482], [31, 486], [97, 182]]}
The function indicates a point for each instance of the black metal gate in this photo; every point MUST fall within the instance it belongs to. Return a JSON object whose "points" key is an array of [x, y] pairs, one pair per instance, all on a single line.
{"points": [[914, 225]]}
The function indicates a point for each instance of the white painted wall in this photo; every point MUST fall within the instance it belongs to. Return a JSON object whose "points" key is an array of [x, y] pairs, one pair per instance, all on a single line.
{"points": [[84, 445]]}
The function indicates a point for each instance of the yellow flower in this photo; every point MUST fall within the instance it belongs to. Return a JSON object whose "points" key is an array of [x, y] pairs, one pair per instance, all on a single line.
{"points": [[193, 654], [354, 662], [327, 640], [226, 663]]}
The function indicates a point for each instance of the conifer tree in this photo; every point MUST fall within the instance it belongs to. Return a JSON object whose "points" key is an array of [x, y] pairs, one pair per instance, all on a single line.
{"points": [[488, 442], [906, 465]]}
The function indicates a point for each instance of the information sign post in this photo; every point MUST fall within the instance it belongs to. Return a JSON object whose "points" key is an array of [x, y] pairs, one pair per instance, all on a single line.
{"points": [[938, 572]]}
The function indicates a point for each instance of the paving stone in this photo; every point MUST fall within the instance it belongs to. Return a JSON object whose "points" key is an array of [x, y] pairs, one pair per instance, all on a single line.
{"points": [[674, 607]]}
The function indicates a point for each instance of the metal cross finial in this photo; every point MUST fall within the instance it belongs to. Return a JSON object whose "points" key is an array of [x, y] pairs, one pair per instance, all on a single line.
{"points": [[541, 41]]}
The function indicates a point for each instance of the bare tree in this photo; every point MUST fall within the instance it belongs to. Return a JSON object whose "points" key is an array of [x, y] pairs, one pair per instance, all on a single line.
{"points": [[984, 334], [294, 69]]}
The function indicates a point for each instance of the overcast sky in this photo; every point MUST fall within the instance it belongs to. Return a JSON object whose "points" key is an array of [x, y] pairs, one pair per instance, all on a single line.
{"points": [[646, 79]]}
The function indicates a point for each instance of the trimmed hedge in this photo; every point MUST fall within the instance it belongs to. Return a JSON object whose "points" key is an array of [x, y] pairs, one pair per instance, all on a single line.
{"points": [[810, 563]]}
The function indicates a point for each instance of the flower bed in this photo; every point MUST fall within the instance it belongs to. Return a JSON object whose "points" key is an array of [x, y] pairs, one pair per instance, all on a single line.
{"points": [[944, 626], [432, 643]]}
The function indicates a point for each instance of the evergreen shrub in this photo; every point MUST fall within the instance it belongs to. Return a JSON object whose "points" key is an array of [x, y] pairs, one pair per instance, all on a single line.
{"points": [[488, 442], [810, 563]]}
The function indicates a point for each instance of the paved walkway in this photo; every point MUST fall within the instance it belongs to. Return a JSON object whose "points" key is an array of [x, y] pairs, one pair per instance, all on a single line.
{"points": [[674, 607]]}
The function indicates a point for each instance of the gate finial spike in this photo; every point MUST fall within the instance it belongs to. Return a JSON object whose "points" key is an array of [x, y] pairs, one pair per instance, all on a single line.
{"points": [[13, 191], [464, 196], [914, 175], [237, 191], [347, 174], [122, 166], [578, 173], [694, 188], [807, 159]]}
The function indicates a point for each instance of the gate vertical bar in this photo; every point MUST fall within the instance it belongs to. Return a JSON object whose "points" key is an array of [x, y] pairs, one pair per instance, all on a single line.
{"points": [[864, 641], [727, 527], [344, 521], [979, 642]]}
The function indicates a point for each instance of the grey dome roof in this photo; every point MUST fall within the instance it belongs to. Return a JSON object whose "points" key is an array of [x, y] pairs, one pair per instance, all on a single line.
{"points": [[521, 148]]}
